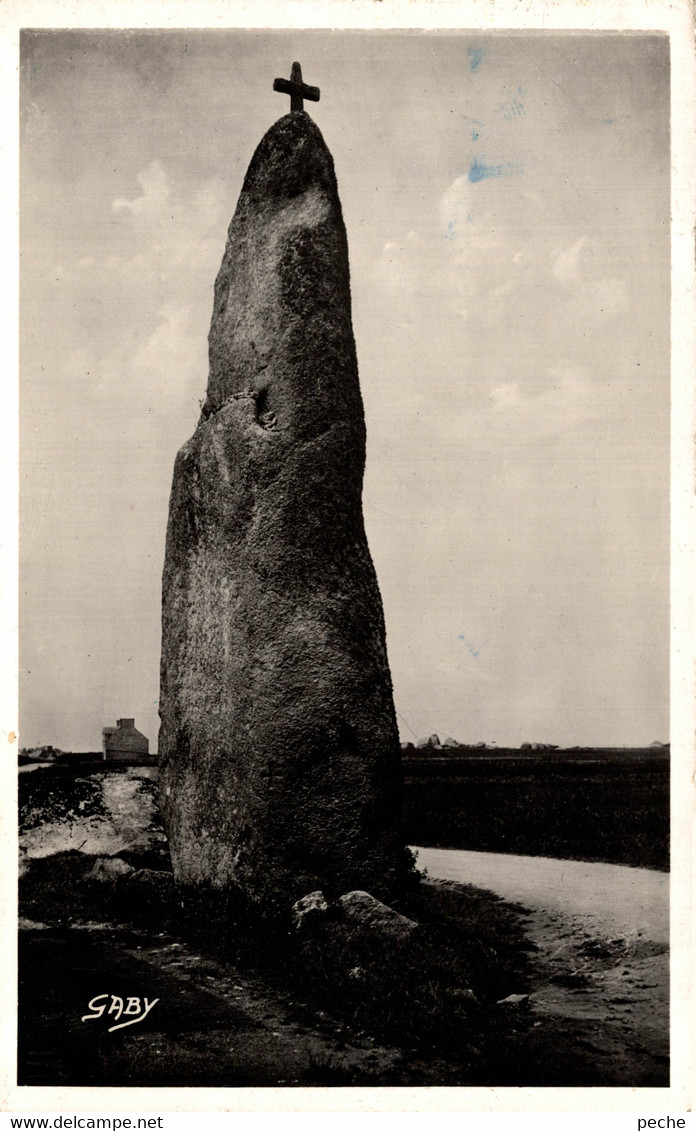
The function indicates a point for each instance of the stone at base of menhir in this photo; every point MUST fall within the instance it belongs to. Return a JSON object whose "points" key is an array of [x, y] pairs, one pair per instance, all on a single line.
{"points": [[362, 911], [309, 910], [109, 870], [514, 1001]]}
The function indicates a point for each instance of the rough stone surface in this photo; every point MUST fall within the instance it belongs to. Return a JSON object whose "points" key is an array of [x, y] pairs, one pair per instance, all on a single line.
{"points": [[109, 869], [310, 909], [465, 995], [151, 884], [280, 761], [362, 910], [514, 1001]]}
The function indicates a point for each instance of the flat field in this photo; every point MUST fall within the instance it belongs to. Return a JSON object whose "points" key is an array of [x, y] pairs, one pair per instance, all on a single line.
{"points": [[605, 805]]}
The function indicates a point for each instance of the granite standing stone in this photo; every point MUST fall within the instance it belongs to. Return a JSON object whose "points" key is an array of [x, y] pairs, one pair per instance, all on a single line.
{"points": [[280, 761]]}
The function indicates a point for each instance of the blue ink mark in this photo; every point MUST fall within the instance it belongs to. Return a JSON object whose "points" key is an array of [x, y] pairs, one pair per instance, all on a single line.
{"points": [[475, 57], [510, 110], [468, 644], [470, 216], [481, 172], [451, 230], [608, 121], [474, 135]]}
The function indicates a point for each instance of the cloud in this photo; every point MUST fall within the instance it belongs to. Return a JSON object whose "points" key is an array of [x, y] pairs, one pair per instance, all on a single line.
{"points": [[490, 261], [164, 343], [155, 195], [129, 325], [565, 267], [400, 265], [568, 398], [575, 270], [550, 406]]}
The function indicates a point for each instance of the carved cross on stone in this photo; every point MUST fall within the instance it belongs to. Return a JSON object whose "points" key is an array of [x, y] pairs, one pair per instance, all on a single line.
{"points": [[296, 89]]}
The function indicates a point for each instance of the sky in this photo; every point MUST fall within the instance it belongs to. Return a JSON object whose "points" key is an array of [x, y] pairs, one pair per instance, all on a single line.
{"points": [[506, 199]]}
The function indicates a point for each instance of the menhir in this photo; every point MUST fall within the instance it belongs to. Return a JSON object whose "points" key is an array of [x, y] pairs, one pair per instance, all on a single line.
{"points": [[280, 761]]}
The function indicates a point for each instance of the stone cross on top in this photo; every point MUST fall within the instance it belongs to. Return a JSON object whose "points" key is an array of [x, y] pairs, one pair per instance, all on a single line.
{"points": [[296, 89]]}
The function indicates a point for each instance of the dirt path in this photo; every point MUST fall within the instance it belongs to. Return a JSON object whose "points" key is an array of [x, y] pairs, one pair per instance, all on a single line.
{"points": [[609, 898], [600, 987]]}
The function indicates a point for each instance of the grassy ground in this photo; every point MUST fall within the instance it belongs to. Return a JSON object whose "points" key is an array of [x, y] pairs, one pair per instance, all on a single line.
{"points": [[238, 1009], [431, 1001]]}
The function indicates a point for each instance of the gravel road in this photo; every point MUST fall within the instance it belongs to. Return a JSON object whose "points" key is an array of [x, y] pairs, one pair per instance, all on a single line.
{"points": [[610, 898]]}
